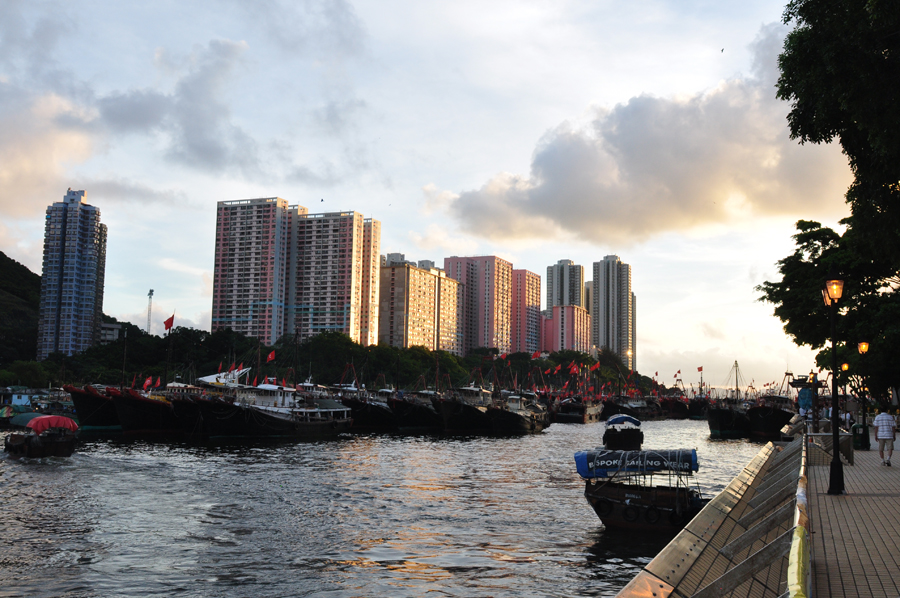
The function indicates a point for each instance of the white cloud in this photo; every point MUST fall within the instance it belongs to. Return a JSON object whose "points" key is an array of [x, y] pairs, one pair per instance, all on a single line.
{"points": [[653, 165]]}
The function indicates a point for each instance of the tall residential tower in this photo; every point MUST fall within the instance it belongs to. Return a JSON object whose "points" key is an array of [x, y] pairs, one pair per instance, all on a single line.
{"points": [[613, 310], [487, 300], [72, 277]]}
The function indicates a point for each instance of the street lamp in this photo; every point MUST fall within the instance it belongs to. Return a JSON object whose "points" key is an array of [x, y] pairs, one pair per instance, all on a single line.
{"points": [[863, 349], [831, 294]]}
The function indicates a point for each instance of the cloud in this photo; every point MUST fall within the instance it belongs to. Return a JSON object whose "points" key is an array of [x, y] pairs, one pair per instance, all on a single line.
{"points": [[194, 117], [329, 30], [437, 240], [654, 165]]}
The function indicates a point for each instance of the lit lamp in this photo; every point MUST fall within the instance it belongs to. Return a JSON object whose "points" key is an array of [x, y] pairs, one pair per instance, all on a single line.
{"points": [[863, 349], [834, 288]]}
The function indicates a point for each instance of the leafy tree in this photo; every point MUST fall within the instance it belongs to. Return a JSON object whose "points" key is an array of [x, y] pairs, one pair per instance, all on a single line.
{"points": [[840, 69], [869, 306]]}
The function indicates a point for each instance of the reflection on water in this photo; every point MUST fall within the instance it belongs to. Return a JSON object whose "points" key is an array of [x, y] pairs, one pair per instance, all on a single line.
{"points": [[360, 516]]}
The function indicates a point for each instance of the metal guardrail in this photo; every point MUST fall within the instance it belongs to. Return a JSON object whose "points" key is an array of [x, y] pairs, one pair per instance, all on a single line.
{"points": [[799, 580]]}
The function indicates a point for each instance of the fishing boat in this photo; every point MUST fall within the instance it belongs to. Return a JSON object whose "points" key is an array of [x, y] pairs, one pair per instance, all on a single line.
{"points": [[513, 414], [268, 411], [464, 411], [578, 409], [96, 411], [415, 411], [144, 414], [370, 413], [641, 490], [623, 433], [48, 436], [772, 411], [727, 417]]}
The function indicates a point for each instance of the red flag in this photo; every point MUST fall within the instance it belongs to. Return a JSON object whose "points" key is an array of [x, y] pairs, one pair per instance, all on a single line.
{"points": [[133, 380], [679, 371], [559, 367], [591, 388], [240, 367], [536, 354], [503, 356], [231, 369], [700, 369], [595, 366], [169, 322], [148, 382], [157, 382], [254, 379], [271, 357], [656, 374], [548, 370], [220, 368], [283, 382]]}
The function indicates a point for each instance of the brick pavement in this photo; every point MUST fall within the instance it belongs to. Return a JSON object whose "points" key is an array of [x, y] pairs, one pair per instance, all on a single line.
{"points": [[855, 544]]}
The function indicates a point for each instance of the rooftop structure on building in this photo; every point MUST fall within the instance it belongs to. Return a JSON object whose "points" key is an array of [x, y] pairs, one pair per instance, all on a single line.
{"points": [[72, 277]]}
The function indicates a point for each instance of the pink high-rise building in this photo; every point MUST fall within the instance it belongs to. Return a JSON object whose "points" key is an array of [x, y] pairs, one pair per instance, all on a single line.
{"points": [[526, 312], [568, 329], [279, 269], [249, 277], [332, 287], [487, 300]]}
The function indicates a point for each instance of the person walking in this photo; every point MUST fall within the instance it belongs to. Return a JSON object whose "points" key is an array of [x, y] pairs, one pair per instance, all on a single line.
{"points": [[885, 433]]}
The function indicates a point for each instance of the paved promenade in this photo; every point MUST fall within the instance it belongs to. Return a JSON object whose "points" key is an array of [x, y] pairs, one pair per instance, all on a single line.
{"points": [[856, 536]]}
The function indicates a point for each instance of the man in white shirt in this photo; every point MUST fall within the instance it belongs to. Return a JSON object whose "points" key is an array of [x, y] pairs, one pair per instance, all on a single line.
{"points": [[885, 433]]}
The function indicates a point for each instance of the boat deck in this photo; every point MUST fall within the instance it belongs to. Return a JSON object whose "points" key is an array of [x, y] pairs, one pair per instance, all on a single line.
{"points": [[855, 548]]}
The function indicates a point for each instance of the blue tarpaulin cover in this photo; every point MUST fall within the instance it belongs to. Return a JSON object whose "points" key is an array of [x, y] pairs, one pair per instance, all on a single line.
{"points": [[600, 463]]}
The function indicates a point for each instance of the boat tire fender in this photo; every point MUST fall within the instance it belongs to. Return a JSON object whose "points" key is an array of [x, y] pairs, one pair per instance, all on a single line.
{"points": [[604, 507], [652, 515], [630, 513]]}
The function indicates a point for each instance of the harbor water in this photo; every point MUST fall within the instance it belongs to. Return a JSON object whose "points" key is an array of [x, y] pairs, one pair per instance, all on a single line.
{"points": [[364, 515]]}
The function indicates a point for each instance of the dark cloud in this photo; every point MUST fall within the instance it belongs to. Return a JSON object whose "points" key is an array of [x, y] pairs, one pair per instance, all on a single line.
{"points": [[659, 164], [117, 190]]}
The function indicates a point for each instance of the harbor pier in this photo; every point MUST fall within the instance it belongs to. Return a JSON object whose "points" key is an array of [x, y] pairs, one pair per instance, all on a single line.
{"points": [[776, 532]]}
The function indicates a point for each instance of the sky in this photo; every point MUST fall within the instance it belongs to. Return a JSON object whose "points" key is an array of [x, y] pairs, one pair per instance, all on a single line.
{"points": [[535, 131]]}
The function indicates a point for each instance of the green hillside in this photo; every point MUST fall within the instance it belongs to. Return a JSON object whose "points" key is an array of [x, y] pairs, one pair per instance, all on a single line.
{"points": [[20, 294]]}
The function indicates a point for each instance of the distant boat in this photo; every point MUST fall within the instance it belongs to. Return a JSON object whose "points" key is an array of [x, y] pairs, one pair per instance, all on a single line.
{"points": [[578, 409], [464, 411], [144, 415], [727, 417], [514, 414], [415, 411]]}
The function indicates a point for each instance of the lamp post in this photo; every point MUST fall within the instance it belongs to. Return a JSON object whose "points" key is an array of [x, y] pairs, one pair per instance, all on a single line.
{"points": [[863, 349], [833, 290]]}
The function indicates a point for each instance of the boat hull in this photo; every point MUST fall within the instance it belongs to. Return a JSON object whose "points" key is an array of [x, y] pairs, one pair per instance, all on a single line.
{"points": [[504, 421], [727, 423], [661, 509], [766, 421], [145, 417], [34, 446], [370, 416], [413, 416], [95, 412], [223, 420], [585, 412], [461, 418]]}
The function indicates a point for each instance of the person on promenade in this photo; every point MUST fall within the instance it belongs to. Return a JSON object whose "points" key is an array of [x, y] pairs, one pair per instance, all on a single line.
{"points": [[885, 433]]}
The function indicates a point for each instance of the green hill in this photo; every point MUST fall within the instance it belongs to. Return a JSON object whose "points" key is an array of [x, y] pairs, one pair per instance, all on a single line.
{"points": [[20, 295]]}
